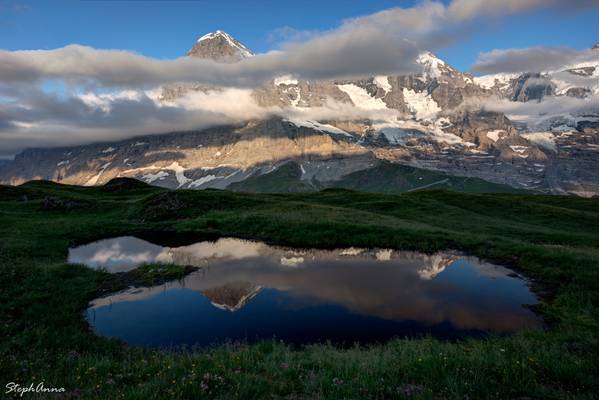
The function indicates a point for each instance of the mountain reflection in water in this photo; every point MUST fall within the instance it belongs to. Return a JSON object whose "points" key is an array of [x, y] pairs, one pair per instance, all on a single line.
{"points": [[249, 291]]}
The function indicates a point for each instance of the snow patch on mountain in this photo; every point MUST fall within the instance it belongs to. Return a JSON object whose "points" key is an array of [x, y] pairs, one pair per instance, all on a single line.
{"points": [[421, 104], [179, 173], [431, 64], [579, 65], [542, 139], [175, 167], [396, 131], [565, 80], [495, 135], [317, 126], [297, 96], [285, 80], [520, 150], [445, 137], [361, 99], [199, 182], [303, 170], [93, 180], [383, 82], [395, 135], [500, 81], [160, 175]]}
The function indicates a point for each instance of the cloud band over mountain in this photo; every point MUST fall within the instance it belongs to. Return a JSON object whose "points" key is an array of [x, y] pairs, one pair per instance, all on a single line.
{"points": [[386, 42]]}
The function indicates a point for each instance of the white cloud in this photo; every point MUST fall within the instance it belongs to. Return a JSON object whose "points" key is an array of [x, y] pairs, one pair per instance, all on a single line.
{"points": [[381, 43], [110, 94], [533, 59]]}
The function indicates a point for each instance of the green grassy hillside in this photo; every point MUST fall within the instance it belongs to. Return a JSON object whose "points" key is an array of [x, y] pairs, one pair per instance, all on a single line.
{"points": [[552, 240], [394, 178], [284, 179], [383, 178]]}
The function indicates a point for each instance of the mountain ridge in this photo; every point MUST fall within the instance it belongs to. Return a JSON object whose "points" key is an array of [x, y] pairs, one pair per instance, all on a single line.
{"points": [[432, 120]]}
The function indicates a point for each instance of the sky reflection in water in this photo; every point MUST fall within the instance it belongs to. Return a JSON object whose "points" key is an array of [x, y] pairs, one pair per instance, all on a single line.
{"points": [[250, 291]]}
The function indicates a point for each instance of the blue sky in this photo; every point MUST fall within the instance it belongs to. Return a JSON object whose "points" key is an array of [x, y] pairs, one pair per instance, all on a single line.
{"points": [[167, 29]]}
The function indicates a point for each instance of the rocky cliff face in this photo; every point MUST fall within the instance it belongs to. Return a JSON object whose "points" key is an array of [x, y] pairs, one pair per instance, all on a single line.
{"points": [[435, 123], [531, 87], [210, 158], [423, 96]]}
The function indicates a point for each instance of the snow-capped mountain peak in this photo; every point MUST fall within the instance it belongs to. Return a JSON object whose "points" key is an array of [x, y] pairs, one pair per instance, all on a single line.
{"points": [[221, 47], [212, 35], [428, 58], [433, 66]]}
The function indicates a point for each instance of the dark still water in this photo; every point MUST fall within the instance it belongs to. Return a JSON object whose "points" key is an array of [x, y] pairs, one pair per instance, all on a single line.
{"points": [[250, 291]]}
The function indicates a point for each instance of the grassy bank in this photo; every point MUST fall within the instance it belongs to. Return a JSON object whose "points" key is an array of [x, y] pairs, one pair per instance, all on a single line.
{"points": [[552, 240]]}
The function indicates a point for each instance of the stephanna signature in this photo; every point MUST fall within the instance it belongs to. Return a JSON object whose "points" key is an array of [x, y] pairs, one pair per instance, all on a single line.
{"points": [[20, 390]]}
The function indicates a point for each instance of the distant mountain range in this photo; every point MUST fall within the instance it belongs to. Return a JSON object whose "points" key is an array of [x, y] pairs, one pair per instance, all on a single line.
{"points": [[445, 134]]}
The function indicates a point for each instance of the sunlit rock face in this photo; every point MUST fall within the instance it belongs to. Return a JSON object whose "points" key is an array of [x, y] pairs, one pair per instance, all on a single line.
{"points": [[436, 119], [196, 160]]}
